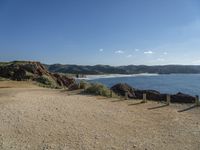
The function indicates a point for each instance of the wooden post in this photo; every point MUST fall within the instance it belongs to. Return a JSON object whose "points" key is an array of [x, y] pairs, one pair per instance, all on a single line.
{"points": [[168, 99], [126, 95], [197, 103], [144, 98]]}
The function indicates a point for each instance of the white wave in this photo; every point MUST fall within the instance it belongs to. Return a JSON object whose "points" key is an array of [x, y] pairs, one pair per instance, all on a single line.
{"points": [[93, 77]]}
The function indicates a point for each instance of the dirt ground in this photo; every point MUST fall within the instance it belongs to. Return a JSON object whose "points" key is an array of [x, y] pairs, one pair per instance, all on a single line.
{"points": [[33, 118]]}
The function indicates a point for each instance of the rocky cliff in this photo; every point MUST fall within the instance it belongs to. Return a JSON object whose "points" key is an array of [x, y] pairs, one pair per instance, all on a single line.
{"points": [[35, 71]]}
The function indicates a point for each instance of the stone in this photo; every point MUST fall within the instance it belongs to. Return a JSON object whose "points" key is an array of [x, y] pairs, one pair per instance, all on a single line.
{"points": [[122, 88]]}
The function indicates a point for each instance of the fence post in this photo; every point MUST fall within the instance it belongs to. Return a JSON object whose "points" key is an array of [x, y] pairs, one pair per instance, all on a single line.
{"points": [[197, 103], [168, 99], [144, 98], [126, 95]]}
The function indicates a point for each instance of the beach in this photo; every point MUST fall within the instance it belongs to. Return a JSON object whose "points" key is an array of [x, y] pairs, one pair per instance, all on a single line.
{"points": [[34, 118]]}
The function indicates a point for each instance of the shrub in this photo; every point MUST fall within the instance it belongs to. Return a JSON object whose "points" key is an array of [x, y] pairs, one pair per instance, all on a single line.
{"points": [[98, 89], [29, 75], [46, 81], [3, 79], [84, 84]]}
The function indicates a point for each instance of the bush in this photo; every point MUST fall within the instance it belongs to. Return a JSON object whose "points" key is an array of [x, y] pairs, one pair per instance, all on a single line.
{"points": [[3, 79], [84, 84], [45, 81], [98, 89]]}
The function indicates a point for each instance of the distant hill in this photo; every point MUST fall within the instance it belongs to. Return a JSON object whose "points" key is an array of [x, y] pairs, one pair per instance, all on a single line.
{"points": [[21, 70], [78, 69], [130, 69]]}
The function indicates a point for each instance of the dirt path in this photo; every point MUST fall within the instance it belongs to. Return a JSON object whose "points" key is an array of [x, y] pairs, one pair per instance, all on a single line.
{"points": [[35, 118]]}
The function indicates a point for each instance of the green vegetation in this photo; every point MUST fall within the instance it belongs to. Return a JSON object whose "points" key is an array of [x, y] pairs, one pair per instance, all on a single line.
{"points": [[98, 89], [29, 75], [92, 88], [3, 79], [84, 84], [45, 81], [79, 85], [4, 63], [130, 69], [12, 62]]}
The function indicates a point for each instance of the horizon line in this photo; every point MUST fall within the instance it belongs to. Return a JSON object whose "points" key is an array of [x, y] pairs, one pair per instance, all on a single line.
{"points": [[172, 64]]}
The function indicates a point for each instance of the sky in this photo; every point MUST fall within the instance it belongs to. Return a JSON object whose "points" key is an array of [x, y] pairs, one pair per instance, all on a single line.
{"points": [[112, 32]]}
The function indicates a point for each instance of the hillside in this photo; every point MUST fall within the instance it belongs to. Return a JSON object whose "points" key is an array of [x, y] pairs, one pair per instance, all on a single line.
{"points": [[130, 69], [25, 70], [33, 71]]}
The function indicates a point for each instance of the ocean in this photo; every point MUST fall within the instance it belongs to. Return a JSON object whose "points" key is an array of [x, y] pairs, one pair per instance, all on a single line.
{"points": [[166, 83]]}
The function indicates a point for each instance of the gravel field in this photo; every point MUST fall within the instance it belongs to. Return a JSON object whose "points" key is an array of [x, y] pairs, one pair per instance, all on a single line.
{"points": [[34, 118]]}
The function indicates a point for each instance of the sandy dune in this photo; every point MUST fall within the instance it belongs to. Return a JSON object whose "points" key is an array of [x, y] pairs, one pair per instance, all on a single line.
{"points": [[39, 119]]}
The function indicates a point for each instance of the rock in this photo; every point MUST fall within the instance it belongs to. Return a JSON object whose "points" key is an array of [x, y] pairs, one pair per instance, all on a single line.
{"points": [[182, 98], [30, 70], [122, 88], [151, 95], [157, 96], [19, 74], [63, 80], [154, 95], [73, 86]]}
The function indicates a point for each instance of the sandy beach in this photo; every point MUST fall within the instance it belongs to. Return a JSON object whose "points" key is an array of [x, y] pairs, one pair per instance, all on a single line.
{"points": [[35, 118]]}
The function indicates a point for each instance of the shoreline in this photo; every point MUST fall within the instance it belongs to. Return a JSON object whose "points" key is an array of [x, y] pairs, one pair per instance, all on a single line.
{"points": [[102, 76], [93, 77], [164, 83]]}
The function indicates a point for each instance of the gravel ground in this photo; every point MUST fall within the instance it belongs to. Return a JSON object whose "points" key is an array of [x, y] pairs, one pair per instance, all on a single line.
{"points": [[39, 119]]}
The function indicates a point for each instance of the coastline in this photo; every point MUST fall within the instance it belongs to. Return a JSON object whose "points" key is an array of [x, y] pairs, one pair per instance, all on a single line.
{"points": [[164, 83], [93, 77]]}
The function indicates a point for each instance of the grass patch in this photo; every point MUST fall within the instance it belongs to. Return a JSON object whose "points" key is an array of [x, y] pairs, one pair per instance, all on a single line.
{"points": [[3, 79], [84, 84], [12, 62], [98, 89], [2, 64], [45, 81]]}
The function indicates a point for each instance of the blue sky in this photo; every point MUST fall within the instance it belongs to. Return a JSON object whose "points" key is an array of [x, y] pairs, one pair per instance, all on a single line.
{"points": [[113, 32]]}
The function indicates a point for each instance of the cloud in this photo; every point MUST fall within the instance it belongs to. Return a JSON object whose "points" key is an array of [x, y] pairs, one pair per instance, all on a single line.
{"points": [[136, 50], [165, 53], [148, 52], [129, 55], [101, 50], [119, 52]]}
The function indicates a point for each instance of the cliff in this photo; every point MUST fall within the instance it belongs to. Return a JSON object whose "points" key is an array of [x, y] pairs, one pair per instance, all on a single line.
{"points": [[35, 71]]}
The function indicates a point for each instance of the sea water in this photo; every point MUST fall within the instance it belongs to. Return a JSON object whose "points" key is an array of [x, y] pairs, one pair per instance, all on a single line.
{"points": [[167, 83]]}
